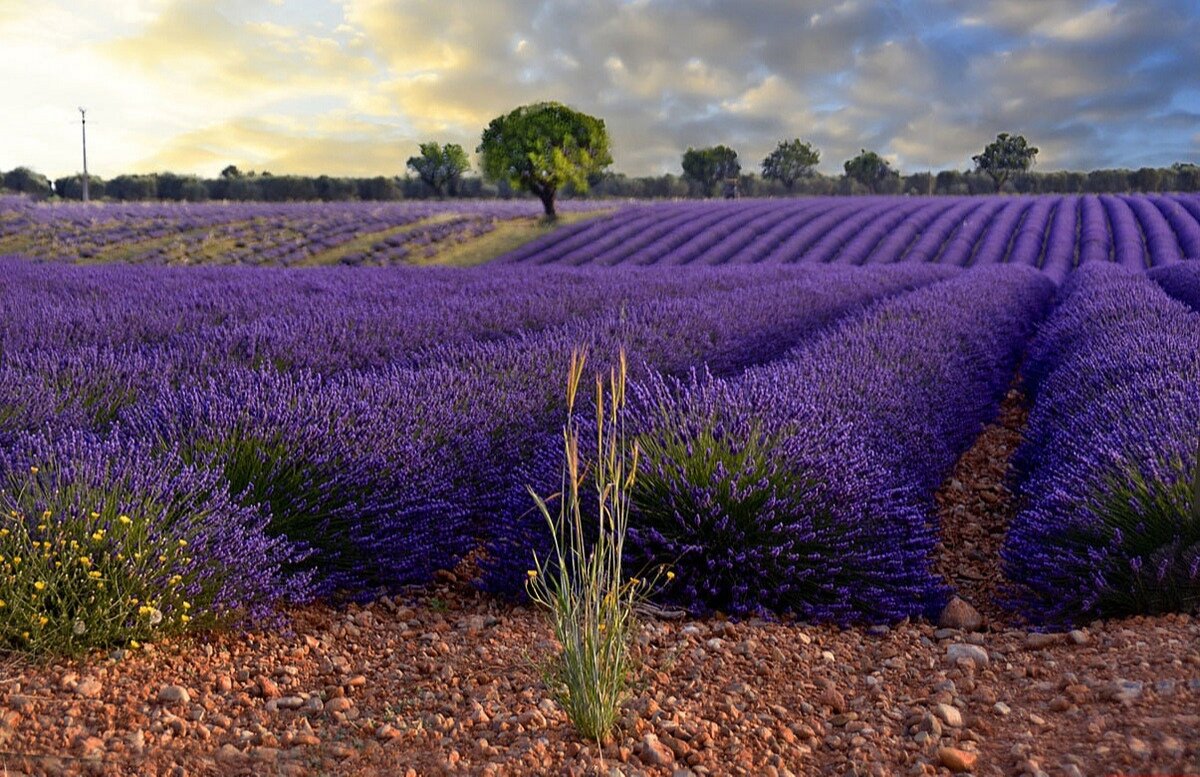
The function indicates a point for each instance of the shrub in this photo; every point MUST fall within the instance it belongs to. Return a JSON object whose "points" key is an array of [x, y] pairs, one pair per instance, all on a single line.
{"points": [[1108, 473], [104, 543], [757, 518]]}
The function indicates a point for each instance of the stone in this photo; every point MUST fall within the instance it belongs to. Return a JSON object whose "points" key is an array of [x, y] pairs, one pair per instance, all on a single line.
{"points": [[974, 652], [1138, 748], [268, 688], [958, 614], [1001, 708], [340, 704], [654, 752], [174, 694], [289, 703], [228, 752], [949, 714], [956, 760], [1037, 640], [88, 688], [1126, 691], [930, 725], [831, 698], [1078, 637]]}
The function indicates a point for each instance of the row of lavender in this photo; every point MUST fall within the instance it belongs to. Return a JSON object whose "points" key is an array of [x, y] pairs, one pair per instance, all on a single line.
{"points": [[248, 233], [807, 485], [297, 432], [1109, 475], [1052, 233]]}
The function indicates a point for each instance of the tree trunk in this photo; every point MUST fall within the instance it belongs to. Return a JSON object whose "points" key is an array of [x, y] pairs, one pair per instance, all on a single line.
{"points": [[547, 198]]}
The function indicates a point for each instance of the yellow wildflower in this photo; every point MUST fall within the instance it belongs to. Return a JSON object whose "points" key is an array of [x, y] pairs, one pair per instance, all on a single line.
{"points": [[670, 575], [532, 573], [34, 470], [39, 586], [183, 543], [124, 519]]}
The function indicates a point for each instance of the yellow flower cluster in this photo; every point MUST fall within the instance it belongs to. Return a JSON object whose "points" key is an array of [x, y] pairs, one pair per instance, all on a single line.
{"points": [[69, 582]]}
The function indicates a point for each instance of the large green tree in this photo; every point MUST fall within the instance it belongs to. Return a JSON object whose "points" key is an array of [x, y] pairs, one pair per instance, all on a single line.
{"points": [[708, 167], [790, 161], [1005, 155], [543, 147], [869, 169], [440, 167]]}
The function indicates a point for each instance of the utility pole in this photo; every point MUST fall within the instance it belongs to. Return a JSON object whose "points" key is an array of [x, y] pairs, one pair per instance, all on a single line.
{"points": [[83, 124]]}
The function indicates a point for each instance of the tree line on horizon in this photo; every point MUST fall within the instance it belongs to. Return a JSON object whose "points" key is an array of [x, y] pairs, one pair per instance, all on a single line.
{"points": [[547, 150]]}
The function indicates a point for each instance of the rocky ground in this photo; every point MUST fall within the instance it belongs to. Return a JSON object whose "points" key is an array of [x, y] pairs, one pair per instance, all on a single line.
{"points": [[446, 682]]}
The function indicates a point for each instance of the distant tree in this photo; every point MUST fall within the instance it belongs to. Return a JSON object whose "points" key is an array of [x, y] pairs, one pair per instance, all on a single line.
{"points": [[71, 187], [870, 170], [378, 188], [708, 167], [231, 171], [1005, 155], [790, 161], [133, 187], [541, 148], [1147, 179], [335, 189], [440, 167], [1187, 176], [26, 181]]}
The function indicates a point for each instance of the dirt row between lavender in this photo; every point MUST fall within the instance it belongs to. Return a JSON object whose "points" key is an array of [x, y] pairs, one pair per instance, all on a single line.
{"points": [[446, 682]]}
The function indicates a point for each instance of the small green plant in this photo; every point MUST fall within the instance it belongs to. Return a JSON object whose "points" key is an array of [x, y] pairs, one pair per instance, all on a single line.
{"points": [[71, 580], [582, 584]]}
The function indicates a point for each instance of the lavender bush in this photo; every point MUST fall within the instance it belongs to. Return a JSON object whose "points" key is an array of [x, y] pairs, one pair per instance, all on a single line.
{"points": [[1109, 472], [806, 485], [104, 542]]}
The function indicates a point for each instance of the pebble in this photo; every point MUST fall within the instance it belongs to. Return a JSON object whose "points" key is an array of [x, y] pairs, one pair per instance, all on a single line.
{"points": [[1038, 640], [1001, 708], [654, 752], [340, 704], [949, 714], [957, 760], [174, 694], [958, 614], [88, 688], [973, 652], [1127, 690], [1138, 748]]}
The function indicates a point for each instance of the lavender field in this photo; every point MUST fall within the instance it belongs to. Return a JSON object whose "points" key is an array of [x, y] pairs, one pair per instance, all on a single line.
{"points": [[271, 434], [1051, 233]]}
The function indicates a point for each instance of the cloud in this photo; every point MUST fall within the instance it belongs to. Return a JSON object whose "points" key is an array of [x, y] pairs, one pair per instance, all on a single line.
{"points": [[356, 84]]}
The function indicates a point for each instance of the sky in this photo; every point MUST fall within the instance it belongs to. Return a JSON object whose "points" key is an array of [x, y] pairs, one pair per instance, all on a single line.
{"points": [[351, 87]]}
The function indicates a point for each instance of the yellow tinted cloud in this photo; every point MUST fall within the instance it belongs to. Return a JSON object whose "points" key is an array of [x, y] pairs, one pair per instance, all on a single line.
{"points": [[193, 42], [334, 145]]}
